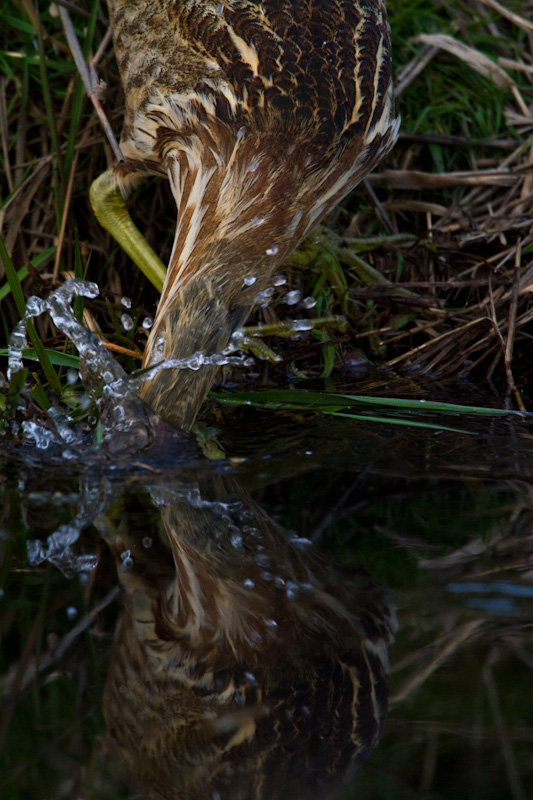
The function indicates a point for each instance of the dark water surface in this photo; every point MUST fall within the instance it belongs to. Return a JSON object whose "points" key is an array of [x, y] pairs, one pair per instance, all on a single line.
{"points": [[241, 652]]}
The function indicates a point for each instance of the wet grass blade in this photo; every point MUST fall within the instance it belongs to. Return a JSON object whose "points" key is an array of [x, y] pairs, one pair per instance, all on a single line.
{"points": [[56, 358], [412, 423], [339, 404], [18, 295]]}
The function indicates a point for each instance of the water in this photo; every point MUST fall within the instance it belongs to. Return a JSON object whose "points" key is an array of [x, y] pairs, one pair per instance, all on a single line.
{"points": [[232, 603]]}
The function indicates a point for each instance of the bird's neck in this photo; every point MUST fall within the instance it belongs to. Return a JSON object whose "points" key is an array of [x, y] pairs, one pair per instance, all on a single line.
{"points": [[236, 223], [243, 205]]}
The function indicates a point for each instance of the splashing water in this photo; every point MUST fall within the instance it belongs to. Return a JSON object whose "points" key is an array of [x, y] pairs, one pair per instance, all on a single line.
{"points": [[95, 496], [125, 422]]}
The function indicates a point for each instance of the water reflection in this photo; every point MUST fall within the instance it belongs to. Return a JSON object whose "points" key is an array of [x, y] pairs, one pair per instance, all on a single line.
{"points": [[245, 665], [432, 515]]}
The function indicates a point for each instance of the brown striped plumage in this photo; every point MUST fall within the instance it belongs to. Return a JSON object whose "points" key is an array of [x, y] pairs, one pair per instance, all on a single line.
{"points": [[263, 115], [243, 666]]}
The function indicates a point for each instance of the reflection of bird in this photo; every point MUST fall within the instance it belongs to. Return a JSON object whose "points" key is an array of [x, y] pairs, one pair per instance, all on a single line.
{"points": [[263, 115], [244, 665]]}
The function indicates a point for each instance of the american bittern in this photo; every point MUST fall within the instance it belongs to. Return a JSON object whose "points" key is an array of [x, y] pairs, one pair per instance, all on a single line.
{"points": [[262, 115], [245, 666]]}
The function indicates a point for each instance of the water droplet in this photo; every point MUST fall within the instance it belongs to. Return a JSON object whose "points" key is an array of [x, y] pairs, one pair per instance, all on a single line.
{"points": [[241, 133], [195, 361], [263, 298], [35, 306], [147, 542], [308, 452], [301, 325], [252, 680], [72, 612], [279, 280], [236, 540], [17, 343], [273, 250], [147, 323], [292, 590], [248, 584], [126, 322], [266, 575], [300, 543], [309, 302], [256, 637], [126, 302], [250, 280], [249, 362], [72, 376], [279, 582], [125, 554], [254, 164], [271, 623], [259, 220], [291, 298], [42, 437]]}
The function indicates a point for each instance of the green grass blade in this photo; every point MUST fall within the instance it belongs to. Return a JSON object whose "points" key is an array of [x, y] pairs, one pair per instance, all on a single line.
{"points": [[18, 295], [56, 358], [411, 423], [22, 273], [13, 280], [327, 402]]}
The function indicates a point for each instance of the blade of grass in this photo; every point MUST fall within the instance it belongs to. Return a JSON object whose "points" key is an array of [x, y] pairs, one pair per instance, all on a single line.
{"points": [[395, 421], [39, 395], [328, 402], [79, 91], [18, 295], [16, 385], [22, 273], [56, 358], [34, 15]]}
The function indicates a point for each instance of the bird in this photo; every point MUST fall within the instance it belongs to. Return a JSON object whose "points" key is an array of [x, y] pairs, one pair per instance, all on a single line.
{"points": [[262, 116], [245, 665]]}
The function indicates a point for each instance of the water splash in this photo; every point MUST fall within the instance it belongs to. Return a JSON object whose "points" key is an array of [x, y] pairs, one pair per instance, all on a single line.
{"points": [[124, 420], [126, 424], [95, 497]]}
